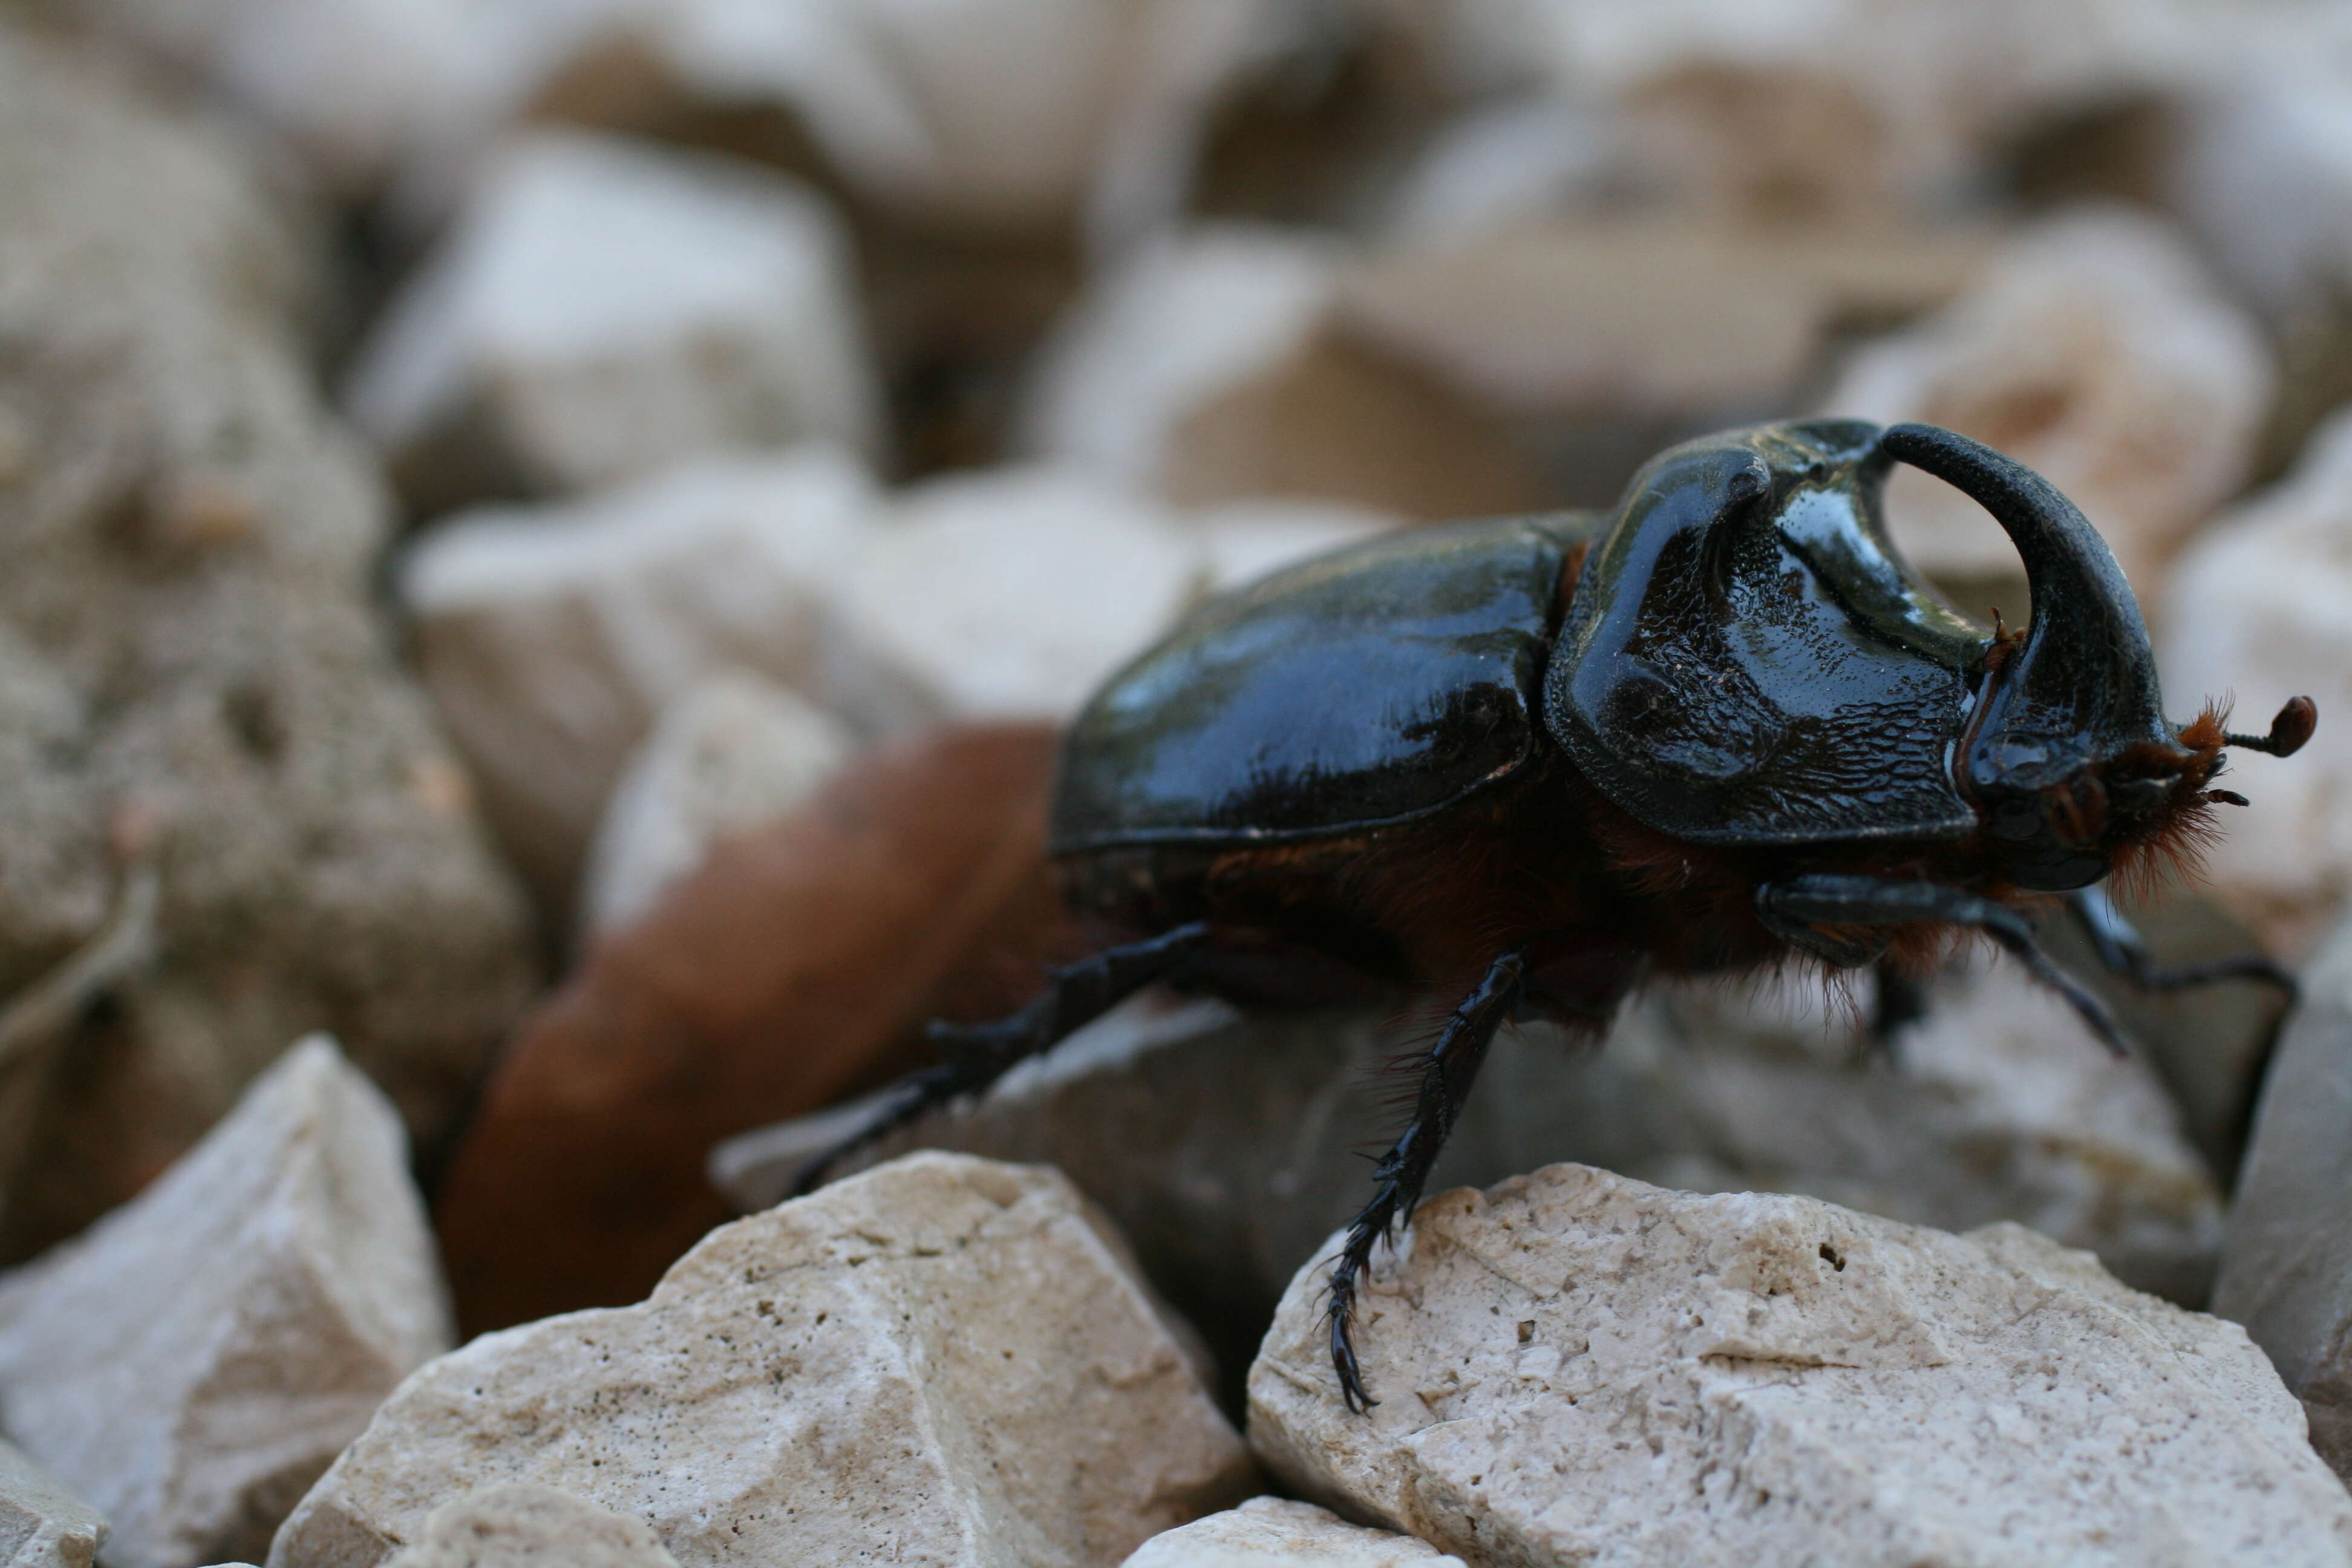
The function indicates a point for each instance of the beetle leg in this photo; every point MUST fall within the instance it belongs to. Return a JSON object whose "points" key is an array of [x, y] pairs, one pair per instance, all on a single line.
{"points": [[1900, 1003], [1447, 1072], [973, 1056], [1837, 900], [2124, 951]]}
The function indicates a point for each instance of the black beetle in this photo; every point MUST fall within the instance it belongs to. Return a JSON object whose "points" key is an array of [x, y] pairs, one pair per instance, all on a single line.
{"points": [[1529, 762]]}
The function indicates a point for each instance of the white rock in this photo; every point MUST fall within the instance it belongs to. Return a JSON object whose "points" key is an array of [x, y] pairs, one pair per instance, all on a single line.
{"points": [[1269, 1532], [552, 636], [2257, 613], [42, 1523], [1247, 540], [194, 1361], [1014, 592], [1186, 318], [1490, 169], [987, 113], [2264, 177], [945, 1360], [525, 1526], [2286, 1270], [734, 751], [1576, 1367], [602, 309], [2094, 351]]}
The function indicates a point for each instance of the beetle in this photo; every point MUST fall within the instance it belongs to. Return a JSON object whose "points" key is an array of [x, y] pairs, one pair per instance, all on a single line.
{"points": [[1529, 762]]}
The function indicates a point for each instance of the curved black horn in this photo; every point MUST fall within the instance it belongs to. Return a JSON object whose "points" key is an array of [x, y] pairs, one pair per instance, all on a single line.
{"points": [[2085, 680]]}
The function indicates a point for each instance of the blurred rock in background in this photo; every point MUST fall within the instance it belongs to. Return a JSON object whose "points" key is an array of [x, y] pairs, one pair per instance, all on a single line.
{"points": [[234, 802]]}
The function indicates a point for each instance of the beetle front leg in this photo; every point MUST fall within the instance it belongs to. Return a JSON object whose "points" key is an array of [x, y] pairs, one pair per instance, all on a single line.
{"points": [[1447, 1071], [975, 1056], [1803, 904], [2123, 951]]}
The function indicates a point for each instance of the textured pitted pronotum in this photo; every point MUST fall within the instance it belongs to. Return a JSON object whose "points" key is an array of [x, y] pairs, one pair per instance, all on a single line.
{"points": [[1527, 762]]}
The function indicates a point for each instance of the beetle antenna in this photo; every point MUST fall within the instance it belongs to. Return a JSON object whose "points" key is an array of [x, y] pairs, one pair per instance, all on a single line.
{"points": [[2289, 730]]}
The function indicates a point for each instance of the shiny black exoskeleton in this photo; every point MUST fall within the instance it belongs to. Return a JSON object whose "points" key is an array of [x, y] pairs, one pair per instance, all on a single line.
{"points": [[1529, 762]]}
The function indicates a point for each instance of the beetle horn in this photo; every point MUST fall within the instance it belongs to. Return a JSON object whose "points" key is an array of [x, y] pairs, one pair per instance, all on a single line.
{"points": [[2085, 680]]}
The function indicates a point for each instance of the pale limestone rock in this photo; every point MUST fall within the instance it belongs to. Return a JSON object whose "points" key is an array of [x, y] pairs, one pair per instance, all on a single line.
{"points": [[42, 1523], [1520, 160], [602, 309], [1270, 1532], [552, 636], [987, 114], [1182, 320], [196, 1359], [2094, 351], [198, 691], [945, 1360], [1574, 1366], [525, 1526], [1012, 594], [1227, 1145], [2256, 615], [1244, 540], [732, 752], [2287, 1267], [2264, 177]]}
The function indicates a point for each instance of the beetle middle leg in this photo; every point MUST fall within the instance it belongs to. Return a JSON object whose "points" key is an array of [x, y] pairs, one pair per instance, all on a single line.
{"points": [[975, 1056], [1795, 908], [2123, 951], [1448, 1070]]}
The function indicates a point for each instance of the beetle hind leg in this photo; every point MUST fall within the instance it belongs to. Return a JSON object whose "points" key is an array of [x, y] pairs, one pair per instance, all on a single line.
{"points": [[975, 1056], [1448, 1070]]}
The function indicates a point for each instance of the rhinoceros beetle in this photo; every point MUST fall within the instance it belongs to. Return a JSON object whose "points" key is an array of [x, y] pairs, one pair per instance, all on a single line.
{"points": [[1529, 762]]}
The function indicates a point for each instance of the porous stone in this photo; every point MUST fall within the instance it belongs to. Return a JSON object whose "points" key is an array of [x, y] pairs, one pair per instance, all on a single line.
{"points": [[733, 752], [796, 965], [946, 1359], [523, 1526], [42, 1523], [212, 753], [601, 310], [2095, 351], [194, 1361], [1574, 1366], [2286, 1265], [1225, 1145], [552, 636], [1268, 1532], [2255, 615]]}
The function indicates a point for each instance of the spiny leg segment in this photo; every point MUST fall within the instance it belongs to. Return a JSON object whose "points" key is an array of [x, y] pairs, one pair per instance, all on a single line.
{"points": [[1448, 1070], [973, 1056]]}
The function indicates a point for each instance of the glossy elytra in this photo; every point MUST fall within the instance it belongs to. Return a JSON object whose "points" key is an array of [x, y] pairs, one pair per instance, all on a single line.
{"points": [[1527, 762]]}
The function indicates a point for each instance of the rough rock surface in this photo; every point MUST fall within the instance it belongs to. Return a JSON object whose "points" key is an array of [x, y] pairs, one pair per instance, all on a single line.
{"points": [[198, 1357], [1228, 1147], [2094, 351], [1269, 1532], [2286, 1266], [2256, 614], [523, 1526], [42, 1523], [1576, 1367], [554, 636], [601, 310], [947, 1360], [794, 967], [195, 680], [732, 754]]}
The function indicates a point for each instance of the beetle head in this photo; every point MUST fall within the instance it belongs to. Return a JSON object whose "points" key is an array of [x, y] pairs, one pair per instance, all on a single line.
{"points": [[1748, 659], [2067, 754]]}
